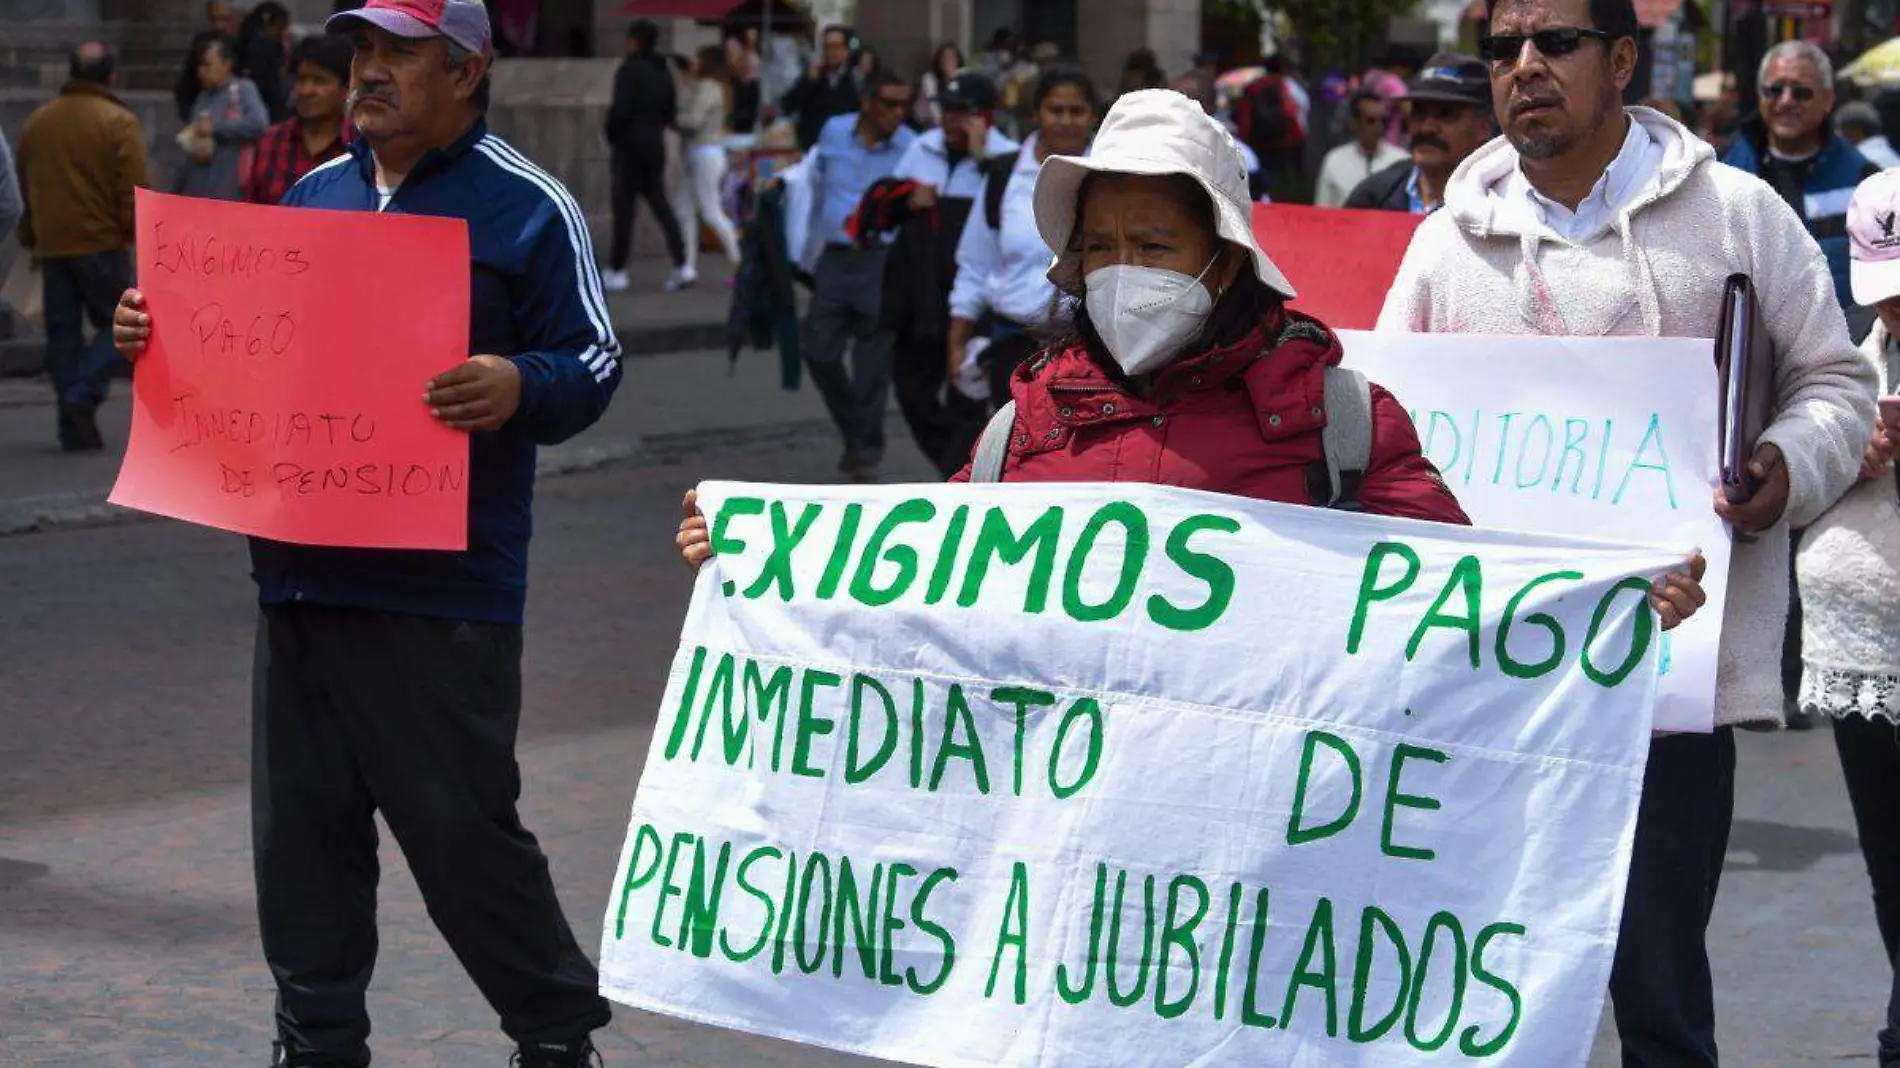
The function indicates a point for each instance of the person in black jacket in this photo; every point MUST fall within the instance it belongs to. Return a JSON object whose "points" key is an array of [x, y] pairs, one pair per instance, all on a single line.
{"points": [[645, 104], [1448, 116], [261, 55], [827, 90]]}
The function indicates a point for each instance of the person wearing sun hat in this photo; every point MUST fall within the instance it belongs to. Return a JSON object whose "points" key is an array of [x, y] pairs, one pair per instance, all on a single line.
{"points": [[1849, 570], [1184, 366]]}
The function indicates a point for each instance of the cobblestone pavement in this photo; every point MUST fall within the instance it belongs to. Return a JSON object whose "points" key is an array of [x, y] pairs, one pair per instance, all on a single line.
{"points": [[127, 932]]}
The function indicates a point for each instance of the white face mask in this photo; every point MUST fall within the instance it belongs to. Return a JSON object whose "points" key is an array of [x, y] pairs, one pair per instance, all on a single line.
{"points": [[1146, 315]]}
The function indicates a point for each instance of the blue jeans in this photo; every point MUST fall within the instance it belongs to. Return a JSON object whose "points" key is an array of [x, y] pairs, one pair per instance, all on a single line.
{"points": [[80, 288]]}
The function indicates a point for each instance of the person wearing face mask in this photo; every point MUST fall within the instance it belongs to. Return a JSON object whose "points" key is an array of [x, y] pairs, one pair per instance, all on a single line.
{"points": [[1182, 364], [1184, 367]]}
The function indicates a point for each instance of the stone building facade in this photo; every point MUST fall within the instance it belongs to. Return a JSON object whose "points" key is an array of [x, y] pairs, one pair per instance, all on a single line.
{"points": [[551, 106]]}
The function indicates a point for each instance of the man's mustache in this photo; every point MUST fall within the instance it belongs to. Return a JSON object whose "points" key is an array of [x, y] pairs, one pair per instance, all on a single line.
{"points": [[1531, 100], [1427, 140], [362, 93]]}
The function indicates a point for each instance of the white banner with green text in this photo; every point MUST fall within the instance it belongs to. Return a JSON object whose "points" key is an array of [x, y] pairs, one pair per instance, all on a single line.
{"points": [[1041, 775], [1598, 437]]}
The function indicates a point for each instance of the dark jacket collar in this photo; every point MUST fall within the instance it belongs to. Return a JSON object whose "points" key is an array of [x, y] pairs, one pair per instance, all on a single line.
{"points": [[1755, 130], [76, 87]]}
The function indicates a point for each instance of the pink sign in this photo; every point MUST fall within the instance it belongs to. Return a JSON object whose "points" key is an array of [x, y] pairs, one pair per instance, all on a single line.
{"points": [[281, 394]]}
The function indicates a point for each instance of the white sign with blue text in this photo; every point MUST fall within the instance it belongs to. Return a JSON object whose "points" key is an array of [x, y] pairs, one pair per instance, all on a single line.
{"points": [[1610, 438]]}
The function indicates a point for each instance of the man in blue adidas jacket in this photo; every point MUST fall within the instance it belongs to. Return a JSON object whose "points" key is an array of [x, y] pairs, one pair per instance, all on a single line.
{"points": [[391, 681]]}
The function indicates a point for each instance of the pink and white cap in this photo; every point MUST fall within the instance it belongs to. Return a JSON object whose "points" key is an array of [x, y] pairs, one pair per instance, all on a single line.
{"points": [[1873, 234], [463, 21]]}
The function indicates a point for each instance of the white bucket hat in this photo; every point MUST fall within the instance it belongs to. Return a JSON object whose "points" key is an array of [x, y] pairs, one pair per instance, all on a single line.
{"points": [[1153, 132]]}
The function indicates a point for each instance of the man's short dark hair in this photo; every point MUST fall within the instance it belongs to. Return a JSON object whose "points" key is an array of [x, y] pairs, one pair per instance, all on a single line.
{"points": [[93, 62], [331, 51], [644, 33], [458, 56], [881, 79], [1614, 17], [1364, 96], [850, 35]]}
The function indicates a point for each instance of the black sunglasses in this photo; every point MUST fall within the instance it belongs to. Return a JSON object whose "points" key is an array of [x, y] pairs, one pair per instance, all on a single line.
{"points": [[1505, 48], [1801, 93]]}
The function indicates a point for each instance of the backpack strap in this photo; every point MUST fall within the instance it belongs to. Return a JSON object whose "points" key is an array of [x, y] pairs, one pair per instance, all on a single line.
{"points": [[997, 170], [992, 449], [1346, 439]]}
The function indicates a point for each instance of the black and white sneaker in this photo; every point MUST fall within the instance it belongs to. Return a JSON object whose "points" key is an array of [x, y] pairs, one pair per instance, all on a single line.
{"points": [[579, 1053]]}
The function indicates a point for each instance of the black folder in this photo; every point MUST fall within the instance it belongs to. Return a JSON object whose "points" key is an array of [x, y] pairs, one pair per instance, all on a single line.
{"points": [[1745, 365]]}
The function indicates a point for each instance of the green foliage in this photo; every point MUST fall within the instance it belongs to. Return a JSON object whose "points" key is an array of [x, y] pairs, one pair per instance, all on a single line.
{"points": [[1335, 34]]}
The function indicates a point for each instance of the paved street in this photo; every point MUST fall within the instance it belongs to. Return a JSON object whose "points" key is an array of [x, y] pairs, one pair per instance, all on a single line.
{"points": [[127, 932]]}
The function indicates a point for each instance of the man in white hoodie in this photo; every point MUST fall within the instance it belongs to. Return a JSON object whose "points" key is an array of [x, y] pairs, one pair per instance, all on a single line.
{"points": [[1590, 219]]}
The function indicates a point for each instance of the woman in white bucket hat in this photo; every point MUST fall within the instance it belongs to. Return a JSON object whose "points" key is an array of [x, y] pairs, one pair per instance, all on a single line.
{"points": [[1185, 367]]}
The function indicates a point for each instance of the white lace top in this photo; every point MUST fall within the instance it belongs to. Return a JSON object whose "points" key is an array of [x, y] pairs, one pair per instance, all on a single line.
{"points": [[1849, 573]]}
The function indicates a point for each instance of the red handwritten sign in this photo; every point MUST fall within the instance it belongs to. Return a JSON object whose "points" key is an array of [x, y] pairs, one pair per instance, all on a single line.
{"points": [[1342, 262], [281, 394]]}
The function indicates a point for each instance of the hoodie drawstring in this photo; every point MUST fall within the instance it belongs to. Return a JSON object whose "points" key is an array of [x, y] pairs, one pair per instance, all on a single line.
{"points": [[1540, 307], [1642, 275]]}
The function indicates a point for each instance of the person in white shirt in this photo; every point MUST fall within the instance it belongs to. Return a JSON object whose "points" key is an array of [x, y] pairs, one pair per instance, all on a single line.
{"points": [[1003, 266], [1358, 159], [698, 195], [1588, 219], [946, 162]]}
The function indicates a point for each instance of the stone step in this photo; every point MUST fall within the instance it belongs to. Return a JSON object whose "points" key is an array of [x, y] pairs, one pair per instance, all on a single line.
{"points": [[151, 51], [145, 62]]}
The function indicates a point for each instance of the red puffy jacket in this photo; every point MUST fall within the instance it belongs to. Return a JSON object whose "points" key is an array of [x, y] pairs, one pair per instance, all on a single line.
{"points": [[1243, 420]]}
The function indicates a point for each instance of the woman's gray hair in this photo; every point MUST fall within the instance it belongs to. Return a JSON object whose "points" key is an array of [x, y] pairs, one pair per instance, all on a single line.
{"points": [[1799, 50]]}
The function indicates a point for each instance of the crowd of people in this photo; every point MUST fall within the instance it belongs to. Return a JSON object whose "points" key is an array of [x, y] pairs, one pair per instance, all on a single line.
{"points": [[1060, 279], [258, 115], [1161, 311]]}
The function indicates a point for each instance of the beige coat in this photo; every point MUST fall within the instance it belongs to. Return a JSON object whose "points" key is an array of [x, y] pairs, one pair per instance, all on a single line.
{"points": [[1658, 269]]}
